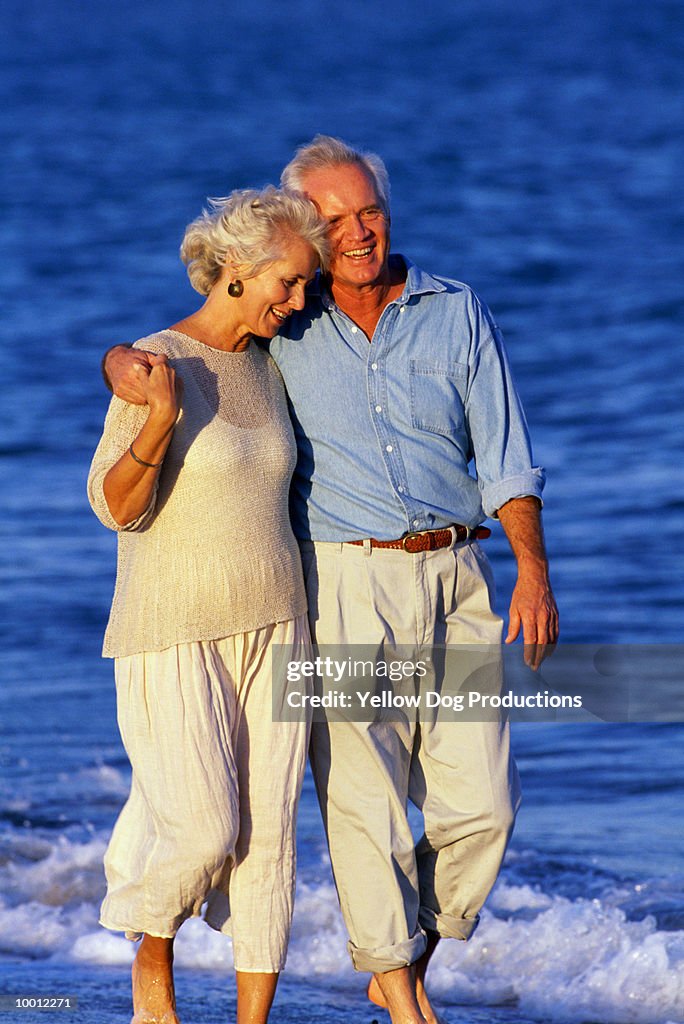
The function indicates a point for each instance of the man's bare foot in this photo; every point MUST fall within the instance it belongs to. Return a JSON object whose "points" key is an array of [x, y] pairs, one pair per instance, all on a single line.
{"points": [[395, 991], [427, 1009], [154, 1000], [374, 993]]}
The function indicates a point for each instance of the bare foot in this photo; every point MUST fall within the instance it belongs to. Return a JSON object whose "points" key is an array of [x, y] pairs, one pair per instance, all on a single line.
{"points": [[395, 991], [154, 1000], [427, 1009], [375, 995]]}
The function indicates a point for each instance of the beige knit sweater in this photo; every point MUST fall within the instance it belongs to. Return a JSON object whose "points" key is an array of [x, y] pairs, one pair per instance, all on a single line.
{"points": [[214, 553]]}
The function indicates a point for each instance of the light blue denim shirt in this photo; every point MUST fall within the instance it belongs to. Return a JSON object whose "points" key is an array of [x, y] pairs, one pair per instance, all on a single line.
{"points": [[417, 430]]}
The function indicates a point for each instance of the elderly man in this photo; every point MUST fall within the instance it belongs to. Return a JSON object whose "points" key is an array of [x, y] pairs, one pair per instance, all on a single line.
{"points": [[398, 383]]}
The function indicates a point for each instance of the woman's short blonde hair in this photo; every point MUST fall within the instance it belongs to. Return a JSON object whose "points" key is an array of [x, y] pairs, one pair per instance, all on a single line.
{"points": [[248, 230]]}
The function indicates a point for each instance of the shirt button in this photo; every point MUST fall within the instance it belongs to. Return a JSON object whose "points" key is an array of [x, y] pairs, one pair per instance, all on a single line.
{"points": [[355, 330], [400, 489], [389, 448], [402, 308], [374, 366], [415, 522], [378, 408]]}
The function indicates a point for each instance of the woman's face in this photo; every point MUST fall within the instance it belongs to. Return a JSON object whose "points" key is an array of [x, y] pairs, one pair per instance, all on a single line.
{"points": [[270, 297]]}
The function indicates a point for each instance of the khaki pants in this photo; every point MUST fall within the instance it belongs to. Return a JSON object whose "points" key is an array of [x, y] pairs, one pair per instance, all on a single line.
{"points": [[460, 774], [211, 813]]}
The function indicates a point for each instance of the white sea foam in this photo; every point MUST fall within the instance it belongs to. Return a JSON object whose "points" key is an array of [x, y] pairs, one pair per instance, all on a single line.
{"points": [[49, 894], [571, 960], [67, 873], [98, 946], [36, 930], [102, 779], [318, 944]]}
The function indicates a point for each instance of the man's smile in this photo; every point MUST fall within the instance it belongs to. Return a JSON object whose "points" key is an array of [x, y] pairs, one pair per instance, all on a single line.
{"points": [[359, 254]]}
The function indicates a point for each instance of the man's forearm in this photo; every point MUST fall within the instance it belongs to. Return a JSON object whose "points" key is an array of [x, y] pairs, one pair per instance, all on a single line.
{"points": [[521, 520], [533, 606]]}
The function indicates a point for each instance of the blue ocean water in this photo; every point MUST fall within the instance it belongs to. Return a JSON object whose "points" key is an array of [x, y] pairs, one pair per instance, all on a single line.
{"points": [[535, 152]]}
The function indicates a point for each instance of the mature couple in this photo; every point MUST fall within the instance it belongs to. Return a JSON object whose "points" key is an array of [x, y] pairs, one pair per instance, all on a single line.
{"points": [[397, 381]]}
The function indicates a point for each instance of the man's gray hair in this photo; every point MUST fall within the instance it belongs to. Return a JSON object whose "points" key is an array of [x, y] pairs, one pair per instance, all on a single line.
{"points": [[327, 151]]}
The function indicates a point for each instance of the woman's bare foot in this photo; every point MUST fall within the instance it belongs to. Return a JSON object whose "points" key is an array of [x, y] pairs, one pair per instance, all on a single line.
{"points": [[154, 1000]]}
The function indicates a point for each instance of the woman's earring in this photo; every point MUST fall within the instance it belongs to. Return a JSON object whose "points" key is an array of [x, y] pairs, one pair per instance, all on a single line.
{"points": [[235, 289]]}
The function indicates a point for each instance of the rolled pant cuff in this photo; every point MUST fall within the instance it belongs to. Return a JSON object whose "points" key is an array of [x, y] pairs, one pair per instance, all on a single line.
{"points": [[446, 926], [389, 958]]}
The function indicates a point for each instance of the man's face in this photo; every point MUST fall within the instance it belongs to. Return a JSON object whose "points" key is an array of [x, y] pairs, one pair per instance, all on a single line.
{"points": [[358, 229]]}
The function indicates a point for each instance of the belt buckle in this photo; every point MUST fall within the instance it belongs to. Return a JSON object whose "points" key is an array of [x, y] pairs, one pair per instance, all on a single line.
{"points": [[410, 536]]}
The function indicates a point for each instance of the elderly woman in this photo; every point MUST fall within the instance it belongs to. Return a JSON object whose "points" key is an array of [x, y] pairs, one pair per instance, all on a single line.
{"points": [[208, 579]]}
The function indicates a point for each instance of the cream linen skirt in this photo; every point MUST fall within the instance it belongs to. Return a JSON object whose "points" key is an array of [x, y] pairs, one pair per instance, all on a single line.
{"points": [[215, 785]]}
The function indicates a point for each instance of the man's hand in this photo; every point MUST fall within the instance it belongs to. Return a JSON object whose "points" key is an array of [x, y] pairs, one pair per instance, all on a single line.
{"points": [[534, 608], [533, 605], [126, 370]]}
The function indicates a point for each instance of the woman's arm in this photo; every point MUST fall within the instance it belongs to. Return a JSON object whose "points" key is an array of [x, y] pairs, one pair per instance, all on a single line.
{"points": [[130, 483]]}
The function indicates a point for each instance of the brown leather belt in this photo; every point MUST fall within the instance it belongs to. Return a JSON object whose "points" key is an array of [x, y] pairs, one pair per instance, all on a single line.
{"points": [[428, 540]]}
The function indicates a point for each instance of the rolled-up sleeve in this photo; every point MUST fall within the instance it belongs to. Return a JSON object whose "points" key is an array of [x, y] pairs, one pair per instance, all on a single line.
{"points": [[502, 450], [122, 425]]}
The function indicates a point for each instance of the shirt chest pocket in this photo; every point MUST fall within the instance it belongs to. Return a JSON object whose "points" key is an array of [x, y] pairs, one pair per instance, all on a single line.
{"points": [[438, 396]]}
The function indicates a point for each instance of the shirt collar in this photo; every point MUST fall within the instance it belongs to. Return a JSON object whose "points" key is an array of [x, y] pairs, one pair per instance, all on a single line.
{"points": [[418, 282]]}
